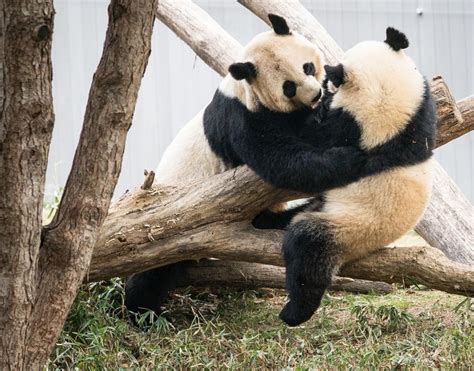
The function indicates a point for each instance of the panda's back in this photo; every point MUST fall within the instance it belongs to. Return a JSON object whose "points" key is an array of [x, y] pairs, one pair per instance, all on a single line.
{"points": [[188, 158]]}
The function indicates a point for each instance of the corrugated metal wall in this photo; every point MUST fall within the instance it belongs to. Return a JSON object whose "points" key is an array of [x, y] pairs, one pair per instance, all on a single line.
{"points": [[177, 83]]}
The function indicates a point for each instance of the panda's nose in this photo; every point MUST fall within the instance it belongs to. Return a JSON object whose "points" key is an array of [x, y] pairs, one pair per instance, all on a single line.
{"points": [[316, 98]]}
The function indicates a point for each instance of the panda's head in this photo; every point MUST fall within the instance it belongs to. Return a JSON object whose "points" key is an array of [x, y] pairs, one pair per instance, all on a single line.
{"points": [[379, 85], [279, 69]]}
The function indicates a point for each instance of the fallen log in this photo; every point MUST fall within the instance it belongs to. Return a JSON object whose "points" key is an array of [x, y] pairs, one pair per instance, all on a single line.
{"points": [[218, 273]]}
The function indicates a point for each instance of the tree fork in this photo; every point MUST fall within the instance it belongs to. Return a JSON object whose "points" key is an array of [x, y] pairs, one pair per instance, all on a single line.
{"points": [[41, 268]]}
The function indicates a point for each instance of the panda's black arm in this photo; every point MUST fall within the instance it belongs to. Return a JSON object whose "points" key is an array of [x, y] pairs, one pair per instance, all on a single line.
{"points": [[287, 162]]}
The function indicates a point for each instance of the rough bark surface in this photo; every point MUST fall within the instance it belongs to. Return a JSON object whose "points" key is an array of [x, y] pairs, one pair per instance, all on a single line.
{"points": [[466, 107], [253, 275], [25, 134], [41, 269], [447, 108]]}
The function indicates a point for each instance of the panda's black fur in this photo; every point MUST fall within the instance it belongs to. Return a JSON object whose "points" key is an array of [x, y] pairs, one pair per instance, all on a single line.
{"points": [[281, 147], [312, 151]]}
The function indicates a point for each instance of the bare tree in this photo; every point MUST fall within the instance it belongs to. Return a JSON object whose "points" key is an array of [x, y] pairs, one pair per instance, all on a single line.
{"points": [[41, 268]]}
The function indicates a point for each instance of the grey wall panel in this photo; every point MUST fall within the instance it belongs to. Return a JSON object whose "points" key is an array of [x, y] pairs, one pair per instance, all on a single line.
{"points": [[177, 84]]}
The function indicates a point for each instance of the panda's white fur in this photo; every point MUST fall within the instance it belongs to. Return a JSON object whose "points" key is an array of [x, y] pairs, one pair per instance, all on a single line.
{"points": [[188, 158], [383, 90]]}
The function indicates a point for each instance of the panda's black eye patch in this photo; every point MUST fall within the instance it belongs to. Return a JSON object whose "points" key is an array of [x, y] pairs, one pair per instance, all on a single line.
{"points": [[309, 69], [289, 89]]}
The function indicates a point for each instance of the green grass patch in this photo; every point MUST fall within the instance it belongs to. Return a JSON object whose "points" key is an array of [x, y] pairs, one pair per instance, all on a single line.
{"points": [[241, 329]]}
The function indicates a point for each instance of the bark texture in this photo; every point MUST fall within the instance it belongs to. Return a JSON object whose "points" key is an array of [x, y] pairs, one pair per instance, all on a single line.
{"points": [[448, 220], [41, 269], [253, 275], [25, 134], [447, 108]]}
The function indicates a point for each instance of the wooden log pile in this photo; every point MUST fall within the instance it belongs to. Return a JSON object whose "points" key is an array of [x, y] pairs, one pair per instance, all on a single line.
{"points": [[156, 226]]}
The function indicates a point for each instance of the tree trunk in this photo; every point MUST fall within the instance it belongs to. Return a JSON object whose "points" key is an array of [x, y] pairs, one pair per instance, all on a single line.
{"points": [[41, 269], [25, 134]]}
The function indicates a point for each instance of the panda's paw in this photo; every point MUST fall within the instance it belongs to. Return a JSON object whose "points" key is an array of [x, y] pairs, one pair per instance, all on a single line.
{"points": [[294, 314]]}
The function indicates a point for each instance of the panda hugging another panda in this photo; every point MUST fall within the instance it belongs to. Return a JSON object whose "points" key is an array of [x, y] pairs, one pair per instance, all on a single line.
{"points": [[364, 153]]}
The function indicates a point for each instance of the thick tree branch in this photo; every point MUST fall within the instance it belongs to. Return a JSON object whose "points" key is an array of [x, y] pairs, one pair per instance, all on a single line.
{"points": [[448, 220], [201, 32], [68, 241]]}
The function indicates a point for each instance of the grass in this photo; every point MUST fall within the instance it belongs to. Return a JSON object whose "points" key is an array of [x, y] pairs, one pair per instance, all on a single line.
{"points": [[240, 329]]}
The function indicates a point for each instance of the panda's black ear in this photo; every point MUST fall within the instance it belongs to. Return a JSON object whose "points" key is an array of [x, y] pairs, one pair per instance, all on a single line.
{"points": [[279, 24], [396, 39], [335, 74], [240, 71]]}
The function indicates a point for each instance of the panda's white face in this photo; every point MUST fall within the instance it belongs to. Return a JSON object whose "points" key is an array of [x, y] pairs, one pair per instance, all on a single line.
{"points": [[381, 87], [289, 71], [282, 72]]}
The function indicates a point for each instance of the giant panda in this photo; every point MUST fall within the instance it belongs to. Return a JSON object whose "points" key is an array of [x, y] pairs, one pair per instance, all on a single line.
{"points": [[277, 81], [382, 103]]}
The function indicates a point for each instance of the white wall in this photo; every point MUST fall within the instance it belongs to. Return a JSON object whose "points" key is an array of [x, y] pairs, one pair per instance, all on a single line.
{"points": [[177, 84]]}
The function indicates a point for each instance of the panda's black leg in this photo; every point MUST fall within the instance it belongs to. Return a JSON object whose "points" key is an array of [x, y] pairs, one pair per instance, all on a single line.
{"points": [[149, 290], [310, 259]]}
